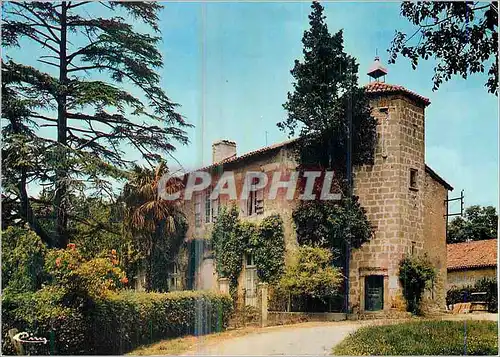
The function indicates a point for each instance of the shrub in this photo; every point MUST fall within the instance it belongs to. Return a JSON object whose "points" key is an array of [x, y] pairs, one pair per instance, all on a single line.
{"points": [[464, 294], [22, 260], [129, 319], [43, 314], [117, 323], [312, 274], [414, 274], [422, 338], [92, 279]]}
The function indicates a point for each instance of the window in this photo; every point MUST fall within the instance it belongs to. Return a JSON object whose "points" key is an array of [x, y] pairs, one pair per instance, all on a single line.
{"points": [[173, 283], [255, 199], [413, 179], [208, 207], [211, 207], [249, 260], [412, 251]]}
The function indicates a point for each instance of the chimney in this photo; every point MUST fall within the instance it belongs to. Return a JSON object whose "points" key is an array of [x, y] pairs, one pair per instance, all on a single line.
{"points": [[223, 149]]}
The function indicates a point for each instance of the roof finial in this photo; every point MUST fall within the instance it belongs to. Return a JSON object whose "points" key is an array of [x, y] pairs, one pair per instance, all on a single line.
{"points": [[377, 70]]}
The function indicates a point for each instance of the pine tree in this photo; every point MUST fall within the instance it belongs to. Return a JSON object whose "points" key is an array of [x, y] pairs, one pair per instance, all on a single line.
{"points": [[325, 86], [81, 95]]}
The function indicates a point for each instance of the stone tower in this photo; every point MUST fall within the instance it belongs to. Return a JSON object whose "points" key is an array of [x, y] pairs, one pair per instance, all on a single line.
{"points": [[391, 191]]}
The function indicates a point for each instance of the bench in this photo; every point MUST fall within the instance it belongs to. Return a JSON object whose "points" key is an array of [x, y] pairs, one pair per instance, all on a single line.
{"points": [[479, 305]]}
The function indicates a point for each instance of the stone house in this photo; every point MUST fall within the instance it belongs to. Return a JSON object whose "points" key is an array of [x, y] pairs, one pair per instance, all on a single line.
{"points": [[404, 199], [471, 261]]}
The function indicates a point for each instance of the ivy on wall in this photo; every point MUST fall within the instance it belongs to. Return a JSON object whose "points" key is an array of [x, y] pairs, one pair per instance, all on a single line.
{"points": [[228, 244], [329, 224], [270, 249], [233, 238]]}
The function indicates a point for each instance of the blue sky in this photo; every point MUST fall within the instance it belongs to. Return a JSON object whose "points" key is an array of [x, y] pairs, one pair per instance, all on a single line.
{"points": [[247, 49], [228, 65]]}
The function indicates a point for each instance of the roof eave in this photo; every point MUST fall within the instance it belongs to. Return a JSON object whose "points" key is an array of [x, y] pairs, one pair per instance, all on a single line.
{"points": [[438, 178], [466, 267]]}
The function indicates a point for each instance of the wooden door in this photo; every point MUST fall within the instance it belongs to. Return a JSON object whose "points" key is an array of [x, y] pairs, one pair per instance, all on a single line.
{"points": [[374, 292]]}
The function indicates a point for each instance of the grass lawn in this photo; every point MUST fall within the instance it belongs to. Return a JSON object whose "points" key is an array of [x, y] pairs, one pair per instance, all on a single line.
{"points": [[422, 338]]}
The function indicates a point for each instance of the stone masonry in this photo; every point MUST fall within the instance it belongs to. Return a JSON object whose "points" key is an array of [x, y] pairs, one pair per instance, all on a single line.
{"points": [[404, 200]]}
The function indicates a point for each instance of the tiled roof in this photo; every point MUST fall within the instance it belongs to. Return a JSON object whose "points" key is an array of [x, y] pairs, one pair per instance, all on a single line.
{"points": [[265, 149], [381, 87], [249, 154], [476, 254]]}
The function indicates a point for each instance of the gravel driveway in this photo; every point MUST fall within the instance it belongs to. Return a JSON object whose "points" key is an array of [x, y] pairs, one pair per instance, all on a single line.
{"points": [[315, 339], [303, 339]]}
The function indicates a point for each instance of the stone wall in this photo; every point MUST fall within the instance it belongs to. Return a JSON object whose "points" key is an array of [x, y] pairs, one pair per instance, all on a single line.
{"points": [[435, 237], [461, 278], [394, 208], [279, 160], [286, 318], [407, 218]]}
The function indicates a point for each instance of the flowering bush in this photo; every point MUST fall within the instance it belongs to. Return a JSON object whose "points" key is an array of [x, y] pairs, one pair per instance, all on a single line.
{"points": [[95, 277]]}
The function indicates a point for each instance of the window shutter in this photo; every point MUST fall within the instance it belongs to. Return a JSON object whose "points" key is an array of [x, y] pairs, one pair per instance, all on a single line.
{"points": [[244, 200], [197, 210], [259, 201]]}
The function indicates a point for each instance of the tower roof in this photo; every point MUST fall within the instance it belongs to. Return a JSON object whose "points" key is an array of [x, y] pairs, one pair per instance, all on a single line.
{"points": [[377, 70], [380, 88]]}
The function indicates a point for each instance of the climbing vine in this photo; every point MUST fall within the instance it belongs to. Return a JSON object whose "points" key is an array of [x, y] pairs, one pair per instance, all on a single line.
{"points": [[329, 224], [233, 238], [228, 244], [270, 249]]}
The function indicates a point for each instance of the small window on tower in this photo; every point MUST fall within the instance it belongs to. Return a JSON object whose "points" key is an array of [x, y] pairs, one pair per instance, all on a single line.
{"points": [[413, 179]]}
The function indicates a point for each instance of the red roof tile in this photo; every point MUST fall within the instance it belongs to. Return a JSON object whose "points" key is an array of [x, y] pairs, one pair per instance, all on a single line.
{"points": [[381, 87], [476, 254], [262, 150]]}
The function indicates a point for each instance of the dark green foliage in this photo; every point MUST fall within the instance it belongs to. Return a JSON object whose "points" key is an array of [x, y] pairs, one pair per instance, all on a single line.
{"points": [[231, 239], [414, 274], [40, 313], [157, 227], [270, 249], [478, 223], [22, 260], [77, 95], [461, 36], [116, 324], [325, 87], [422, 338], [228, 244], [487, 285], [331, 224]]}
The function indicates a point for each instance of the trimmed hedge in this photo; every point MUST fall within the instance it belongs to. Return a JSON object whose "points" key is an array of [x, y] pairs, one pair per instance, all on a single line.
{"points": [[120, 322]]}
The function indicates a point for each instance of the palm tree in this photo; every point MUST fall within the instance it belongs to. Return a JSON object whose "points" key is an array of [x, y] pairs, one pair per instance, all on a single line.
{"points": [[157, 226]]}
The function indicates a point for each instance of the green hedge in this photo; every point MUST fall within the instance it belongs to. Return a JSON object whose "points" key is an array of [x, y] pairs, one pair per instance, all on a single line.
{"points": [[464, 294], [117, 324]]}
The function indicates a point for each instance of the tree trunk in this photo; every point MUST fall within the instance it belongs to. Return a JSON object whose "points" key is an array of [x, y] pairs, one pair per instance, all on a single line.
{"points": [[27, 212], [61, 172]]}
